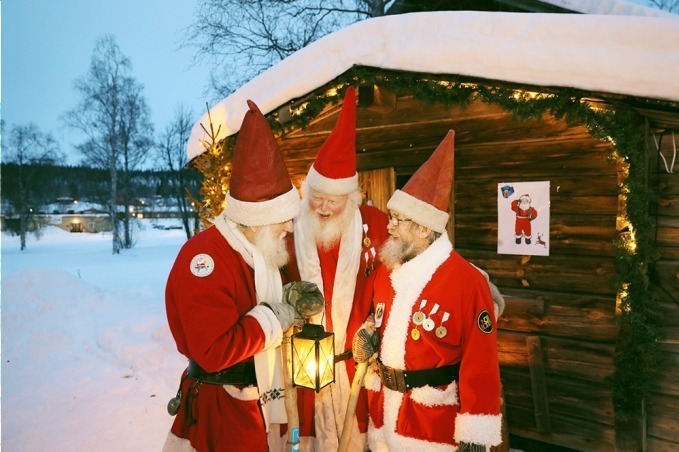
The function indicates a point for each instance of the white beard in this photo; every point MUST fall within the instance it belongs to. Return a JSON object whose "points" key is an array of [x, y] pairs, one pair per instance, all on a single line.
{"points": [[395, 252], [327, 232], [273, 248]]}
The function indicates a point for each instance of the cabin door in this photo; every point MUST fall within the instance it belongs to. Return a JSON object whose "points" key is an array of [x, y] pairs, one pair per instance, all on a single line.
{"points": [[377, 186]]}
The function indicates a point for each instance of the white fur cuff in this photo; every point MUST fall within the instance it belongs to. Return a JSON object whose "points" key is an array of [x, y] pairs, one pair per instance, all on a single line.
{"points": [[479, 428], [278, 210], [273, 334], [418, 211], [330, 186], [372, 381]]}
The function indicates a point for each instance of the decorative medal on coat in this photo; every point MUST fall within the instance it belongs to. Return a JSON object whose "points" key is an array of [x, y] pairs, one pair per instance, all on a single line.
{"points": [[366, 239], [428, 323], [441, 331], [418, 318]]}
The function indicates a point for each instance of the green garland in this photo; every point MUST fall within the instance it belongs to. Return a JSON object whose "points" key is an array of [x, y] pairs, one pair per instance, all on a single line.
{"points": [[637, 353]]}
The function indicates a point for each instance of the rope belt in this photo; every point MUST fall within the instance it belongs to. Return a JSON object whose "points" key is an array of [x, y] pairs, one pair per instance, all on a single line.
{"points": [[404, 380], [242, 374]]}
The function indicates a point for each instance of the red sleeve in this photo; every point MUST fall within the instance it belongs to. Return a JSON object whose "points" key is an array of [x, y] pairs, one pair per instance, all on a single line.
{"points": [[207, 315]]}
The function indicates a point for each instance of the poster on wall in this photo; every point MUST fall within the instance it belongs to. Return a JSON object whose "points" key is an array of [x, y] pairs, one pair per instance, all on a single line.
{"points": [[523, 218]]}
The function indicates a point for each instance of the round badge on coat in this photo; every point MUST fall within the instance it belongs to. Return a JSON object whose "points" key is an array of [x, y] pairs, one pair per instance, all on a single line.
{"points": [[202, 265], [428, 324], [418, 318], [484, 322], [441, 332]]}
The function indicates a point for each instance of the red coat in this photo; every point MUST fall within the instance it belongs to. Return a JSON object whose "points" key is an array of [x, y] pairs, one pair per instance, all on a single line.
{"points": [[436, 418], [376, 222], [523, 219], [207, 317]]}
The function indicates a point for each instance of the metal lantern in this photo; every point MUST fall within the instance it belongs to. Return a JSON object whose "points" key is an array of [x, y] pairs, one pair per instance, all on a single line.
{"points": [[313, 357]]}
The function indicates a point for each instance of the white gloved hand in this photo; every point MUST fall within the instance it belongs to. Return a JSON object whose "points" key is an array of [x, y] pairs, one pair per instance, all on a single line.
{"points": [[287, 315]]}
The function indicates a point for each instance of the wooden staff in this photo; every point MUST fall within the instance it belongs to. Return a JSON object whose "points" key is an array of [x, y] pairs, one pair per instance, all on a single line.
{"points": [[371, 339], [292, 445], [308, 301]]}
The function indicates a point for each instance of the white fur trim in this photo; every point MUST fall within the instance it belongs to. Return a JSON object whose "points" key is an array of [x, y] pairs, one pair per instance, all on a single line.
{"points": [[273, 334], [418, 211], [372, 381], [246, 393], [432, 396], [329, 186], [386, 438], [479, 428], [348, 263], [408, 281], [278, 210], [173, 443]]}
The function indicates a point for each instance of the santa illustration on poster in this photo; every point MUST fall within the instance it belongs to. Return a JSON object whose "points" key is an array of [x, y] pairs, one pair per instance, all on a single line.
{"points": [[523, 218]]}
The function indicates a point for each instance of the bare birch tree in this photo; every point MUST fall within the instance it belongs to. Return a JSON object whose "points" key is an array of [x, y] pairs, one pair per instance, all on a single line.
{"points": [[113, 116], [242, 38], [172, 152], [27, 148]]}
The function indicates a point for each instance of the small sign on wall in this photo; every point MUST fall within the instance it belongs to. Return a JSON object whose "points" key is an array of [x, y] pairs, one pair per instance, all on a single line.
{"points": [[523, 218]]}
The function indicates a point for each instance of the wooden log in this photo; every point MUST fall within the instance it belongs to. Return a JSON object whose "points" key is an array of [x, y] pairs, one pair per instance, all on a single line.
{"points": [[566, 396], [567, 273], [668, 206], [584, 317], [538, 384], [566, 185], [570, 432], [587, 361], [569, 234], [663, 416], [576, 205]]}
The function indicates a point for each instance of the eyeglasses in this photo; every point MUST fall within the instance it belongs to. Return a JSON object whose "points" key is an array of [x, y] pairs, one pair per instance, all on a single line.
{"points": [[395, 221]]}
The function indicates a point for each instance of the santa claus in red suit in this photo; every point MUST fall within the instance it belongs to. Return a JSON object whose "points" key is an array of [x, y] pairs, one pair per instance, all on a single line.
{"points": [[336, 241], [223, 302], [524, 215], [436, 383]]}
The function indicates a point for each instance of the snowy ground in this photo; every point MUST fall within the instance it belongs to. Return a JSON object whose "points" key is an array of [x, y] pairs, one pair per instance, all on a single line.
{"points": [[88, 362]]}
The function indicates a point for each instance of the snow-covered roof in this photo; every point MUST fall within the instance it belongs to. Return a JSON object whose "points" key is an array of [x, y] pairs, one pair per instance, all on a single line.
{"points": [[612, 7], [636, 56]]}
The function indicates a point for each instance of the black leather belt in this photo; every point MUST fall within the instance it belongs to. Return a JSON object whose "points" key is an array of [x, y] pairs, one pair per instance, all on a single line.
{"points": [[242, 374], [404, 380], [343, 356]]}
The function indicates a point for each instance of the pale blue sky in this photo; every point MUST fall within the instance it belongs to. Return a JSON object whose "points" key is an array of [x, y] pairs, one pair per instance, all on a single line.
{"points": [[47, 44]]}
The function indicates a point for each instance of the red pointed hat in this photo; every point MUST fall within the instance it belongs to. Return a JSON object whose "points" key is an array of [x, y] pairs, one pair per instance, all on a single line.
{"points": [[260, 191], [424, 198], [334, 170]]}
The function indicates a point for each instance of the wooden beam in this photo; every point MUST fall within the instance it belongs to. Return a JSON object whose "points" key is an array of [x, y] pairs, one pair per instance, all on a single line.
{"points": [[538, 382]]}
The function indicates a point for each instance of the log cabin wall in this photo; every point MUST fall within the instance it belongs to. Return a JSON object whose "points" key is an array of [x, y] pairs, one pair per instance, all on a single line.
{"points": [[663, 406], [557, 336]]}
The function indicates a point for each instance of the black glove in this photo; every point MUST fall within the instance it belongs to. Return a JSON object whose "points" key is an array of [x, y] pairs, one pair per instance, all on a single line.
{"points": [[305, 296]]}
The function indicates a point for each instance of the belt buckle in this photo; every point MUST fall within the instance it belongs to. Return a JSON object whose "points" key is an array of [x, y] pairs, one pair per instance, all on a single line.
{"points": [[393, 379]]}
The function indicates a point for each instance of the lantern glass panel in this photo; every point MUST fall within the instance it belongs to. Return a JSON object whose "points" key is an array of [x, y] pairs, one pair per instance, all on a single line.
{"points": [[313, 358]]}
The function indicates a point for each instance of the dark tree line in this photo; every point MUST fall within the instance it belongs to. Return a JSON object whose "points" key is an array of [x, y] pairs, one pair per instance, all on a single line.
{"points": [[87, 184]]}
